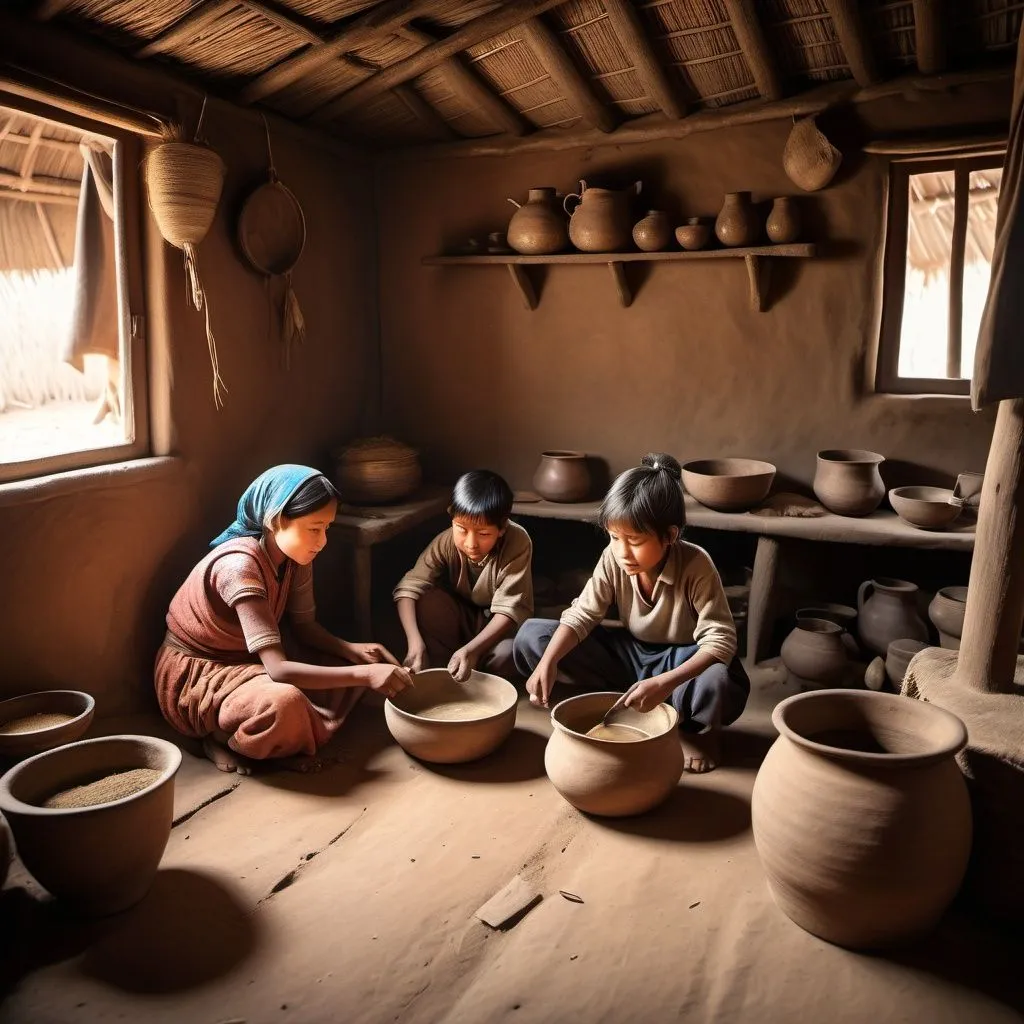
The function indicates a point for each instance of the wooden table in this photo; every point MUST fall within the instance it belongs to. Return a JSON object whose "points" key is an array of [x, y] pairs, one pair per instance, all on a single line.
{"points": [[880, 529], [364, 526]]}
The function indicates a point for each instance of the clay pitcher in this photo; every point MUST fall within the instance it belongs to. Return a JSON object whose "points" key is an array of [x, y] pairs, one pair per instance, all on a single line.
{"points": [[889, 613], [947, 614], [563, 476], [847, 481], [538, 227], [814, 652], [737, 223], [601, 220], [861, 816], [783, 224]]}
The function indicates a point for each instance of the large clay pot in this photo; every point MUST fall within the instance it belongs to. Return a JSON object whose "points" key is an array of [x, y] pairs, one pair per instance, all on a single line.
{"points": [[783, 224], [538, 227], [604, 777], [847, 481], [562, 476], [98, 859], [737, 223], [947, 614], [5, 850], [814, 652], [653, 233], [601, 221], [861, 816], [890, 613]]}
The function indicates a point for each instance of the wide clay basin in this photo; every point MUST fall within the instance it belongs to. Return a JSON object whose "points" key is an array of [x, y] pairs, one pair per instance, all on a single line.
{"points": [[59, 717], [605, 776], [927, 508], [728, 485], [448, 722], [102, 858]]}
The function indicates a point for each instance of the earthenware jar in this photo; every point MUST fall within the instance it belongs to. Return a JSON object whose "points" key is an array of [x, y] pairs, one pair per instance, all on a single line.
{"points": [[783, 224], [654, 232], [898, 657], [737, 223], [887, 611], [562, 476], [947, 614], [538, 227], [842, 615], [693, 235], [847, 481], [861, 816], [814, 652], [609, 778], [5, 850], [601, 220]]}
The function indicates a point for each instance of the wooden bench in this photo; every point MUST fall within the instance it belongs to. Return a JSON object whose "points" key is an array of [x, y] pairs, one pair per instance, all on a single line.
{"points": [[774, 534]]}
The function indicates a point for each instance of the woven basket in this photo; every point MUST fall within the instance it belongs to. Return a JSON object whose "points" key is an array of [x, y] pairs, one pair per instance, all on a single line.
{"points": [[809, 159], [377, 470], [184, 183]]}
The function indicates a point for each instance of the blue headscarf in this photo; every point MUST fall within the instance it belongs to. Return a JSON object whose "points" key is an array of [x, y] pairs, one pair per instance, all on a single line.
{"points": [[264, 498]]}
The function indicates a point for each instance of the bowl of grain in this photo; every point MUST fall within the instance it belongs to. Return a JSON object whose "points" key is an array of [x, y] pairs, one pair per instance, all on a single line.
{"points": [[42, 721], [447, 722], [91, 819]]}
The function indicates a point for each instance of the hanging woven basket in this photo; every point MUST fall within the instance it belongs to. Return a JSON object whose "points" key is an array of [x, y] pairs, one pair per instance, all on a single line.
{"points": [[809, 159]]}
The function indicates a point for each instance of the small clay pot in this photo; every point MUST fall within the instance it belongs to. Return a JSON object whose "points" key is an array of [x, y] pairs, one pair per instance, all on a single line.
{"points": [[847, 481], [927, 508], [693, 235], [653, 233], [842, 615], [65, 702], [889, 613], [783, 224], [946, 611], [898, 657], [814, 652], [563, 476], [612, 779], [728, 485], [737, 223], [539, 226]]}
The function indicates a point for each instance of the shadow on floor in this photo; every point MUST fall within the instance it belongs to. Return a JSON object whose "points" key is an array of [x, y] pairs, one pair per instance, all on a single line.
{"points": [[689, 815], [519, 759], [743, 748]]}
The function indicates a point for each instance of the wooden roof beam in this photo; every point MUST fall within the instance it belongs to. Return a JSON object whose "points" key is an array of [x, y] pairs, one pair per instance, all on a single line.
{"points": [[40, 185], [626, 24], [854, 40], [930, 36], [284, 18], [425, 113], [754, 44], [24, 140], [28, 164], [30, 196], [48, 9], [186, 28]]}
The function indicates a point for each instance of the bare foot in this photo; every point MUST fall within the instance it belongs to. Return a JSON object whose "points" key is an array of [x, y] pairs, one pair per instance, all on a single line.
{"points": [[224, 758], [701, 750]]}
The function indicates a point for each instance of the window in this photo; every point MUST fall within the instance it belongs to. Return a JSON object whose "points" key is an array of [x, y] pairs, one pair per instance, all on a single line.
{"points": [[72, 373], [938, 261]]}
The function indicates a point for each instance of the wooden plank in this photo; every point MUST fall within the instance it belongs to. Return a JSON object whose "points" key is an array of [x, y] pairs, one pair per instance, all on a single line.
{"points": [[930, 36], [424, 112], [186, 28], [853, 38], [794, 249], [620, 284], [750, 35], [958, 245], [508, 903], [759, 276], [523, 285], [923, 146], [51, 238]]}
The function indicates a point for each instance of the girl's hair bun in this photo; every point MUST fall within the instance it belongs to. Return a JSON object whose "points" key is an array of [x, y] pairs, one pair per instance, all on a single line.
{"points": [[663, 462]]}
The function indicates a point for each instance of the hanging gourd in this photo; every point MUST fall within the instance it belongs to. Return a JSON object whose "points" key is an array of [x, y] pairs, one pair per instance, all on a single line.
{"points": [[809, 159], [184, 181]]}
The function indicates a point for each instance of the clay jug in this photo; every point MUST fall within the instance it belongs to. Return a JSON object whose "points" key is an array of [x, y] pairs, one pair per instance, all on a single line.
{"points": [[947, 614], [653, 233], [898, 658], [783, 224], [538, 227], [562, 476], [889, 613], [600, 776], [601, 221], [814, 652], [847, 481], [737, 223], [861, 816], [842, 615]]}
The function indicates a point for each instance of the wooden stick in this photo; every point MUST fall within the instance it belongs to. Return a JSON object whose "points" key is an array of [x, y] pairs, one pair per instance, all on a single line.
{"points": [[626, 23], [51, 238], [41, 185], [424, 112], [854, 40], [24, 140], [958, 244], [930, 36], [186, 28], [31, 196], [28, 163], [750, 35]]}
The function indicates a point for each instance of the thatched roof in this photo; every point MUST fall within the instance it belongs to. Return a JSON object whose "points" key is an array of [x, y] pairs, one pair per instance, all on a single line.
{"points": [[398, 73]]}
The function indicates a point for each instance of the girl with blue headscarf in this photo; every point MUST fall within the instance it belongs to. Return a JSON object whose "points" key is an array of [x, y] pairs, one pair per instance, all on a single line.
{"points": [[222, 673]]}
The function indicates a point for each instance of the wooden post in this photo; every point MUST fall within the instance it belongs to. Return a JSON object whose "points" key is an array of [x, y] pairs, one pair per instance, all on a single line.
{"points": [[954, 336], [761, 604]]}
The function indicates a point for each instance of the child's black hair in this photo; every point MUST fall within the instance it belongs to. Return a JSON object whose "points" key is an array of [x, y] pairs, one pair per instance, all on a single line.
{"points": [[482, 495], [648, 498], [313, 495]]}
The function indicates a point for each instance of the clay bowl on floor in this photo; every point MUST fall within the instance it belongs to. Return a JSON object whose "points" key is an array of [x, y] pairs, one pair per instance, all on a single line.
{"points": [[102, 858], [447, 722], [606, 777], [728, 485], [68, 714], [927, 508]]}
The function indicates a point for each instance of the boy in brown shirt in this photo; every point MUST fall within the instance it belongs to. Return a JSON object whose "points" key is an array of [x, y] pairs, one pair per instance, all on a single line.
{"points": [[472, 587]]}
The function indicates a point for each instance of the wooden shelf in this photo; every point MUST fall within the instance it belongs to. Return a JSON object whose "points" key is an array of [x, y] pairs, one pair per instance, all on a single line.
{"points": [[757, 259]]}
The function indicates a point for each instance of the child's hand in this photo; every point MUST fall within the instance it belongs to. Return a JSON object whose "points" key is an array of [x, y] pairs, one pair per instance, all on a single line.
{"points": [[371, 654], [387, 679], [462, 664], [647, 695], [540, 683], [416, 658]]}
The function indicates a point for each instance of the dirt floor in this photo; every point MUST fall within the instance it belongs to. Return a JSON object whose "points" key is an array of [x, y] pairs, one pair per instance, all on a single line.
{"points": [[349, 897]]}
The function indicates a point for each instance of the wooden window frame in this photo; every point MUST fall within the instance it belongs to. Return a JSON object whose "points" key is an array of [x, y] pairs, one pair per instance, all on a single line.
{"points": [[128, 265], [897, 227]]}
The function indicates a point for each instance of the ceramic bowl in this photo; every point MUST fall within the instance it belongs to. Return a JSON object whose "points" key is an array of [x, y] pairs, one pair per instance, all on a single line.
{"points": [[99, 859], [64, 702], [928, 508], [693, 235], [448, 722], [728, 485]]}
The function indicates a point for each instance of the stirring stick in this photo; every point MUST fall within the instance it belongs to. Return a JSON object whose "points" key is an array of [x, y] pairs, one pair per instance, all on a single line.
{"points": [[619, 703]]}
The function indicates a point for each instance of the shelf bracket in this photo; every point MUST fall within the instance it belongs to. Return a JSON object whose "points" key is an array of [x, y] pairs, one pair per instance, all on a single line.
{"points": [[759, 272], [621, 285], [523, 285]]}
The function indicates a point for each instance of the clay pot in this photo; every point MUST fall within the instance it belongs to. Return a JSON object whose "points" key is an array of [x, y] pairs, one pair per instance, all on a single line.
{"points": [[376, 470], [861, 816], [728, 485], [927, 508], [64, 702], [898, 657], [601, 221], [612, 779], [563, 476], [842, 615], [814, 652], [890, 613], [693, 235], [847, 481], [448, 722], [6, 851], [98, 859], [653, 233], [783, 224], [737, 223], [947, 614], [538, 227]]}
